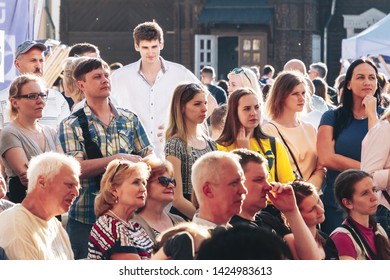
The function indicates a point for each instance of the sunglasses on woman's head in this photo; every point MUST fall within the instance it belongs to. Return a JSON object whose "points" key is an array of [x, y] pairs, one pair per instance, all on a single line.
{"points": [[239, 70], [165, 181], [117, 169]]}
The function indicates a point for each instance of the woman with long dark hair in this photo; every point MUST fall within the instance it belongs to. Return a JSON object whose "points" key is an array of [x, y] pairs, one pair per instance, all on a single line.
{"points": [[242, 130], [342, 130], [359, 237]]}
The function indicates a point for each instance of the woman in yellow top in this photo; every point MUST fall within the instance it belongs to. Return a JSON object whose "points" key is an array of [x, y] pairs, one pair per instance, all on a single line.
{"points": [[242, 130]]}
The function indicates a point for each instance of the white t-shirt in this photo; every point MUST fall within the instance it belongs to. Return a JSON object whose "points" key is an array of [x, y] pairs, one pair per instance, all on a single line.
{"points": [[25, 236]]}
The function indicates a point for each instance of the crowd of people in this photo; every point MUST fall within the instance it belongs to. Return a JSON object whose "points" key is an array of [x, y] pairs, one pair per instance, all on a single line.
{"points": [[145, 161]]}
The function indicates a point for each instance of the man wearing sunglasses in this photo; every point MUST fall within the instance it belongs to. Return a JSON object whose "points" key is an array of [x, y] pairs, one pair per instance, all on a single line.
{"points": [[29, 59], [146, 86], [95, 135]]}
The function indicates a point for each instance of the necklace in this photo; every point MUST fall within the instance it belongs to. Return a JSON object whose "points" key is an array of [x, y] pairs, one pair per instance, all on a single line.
{"points": [[359, 117], [112, 214]]}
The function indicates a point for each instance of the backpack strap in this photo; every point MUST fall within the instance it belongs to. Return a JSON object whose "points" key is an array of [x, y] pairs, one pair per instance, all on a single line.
{"points": [[272, 142], [360, 240]]}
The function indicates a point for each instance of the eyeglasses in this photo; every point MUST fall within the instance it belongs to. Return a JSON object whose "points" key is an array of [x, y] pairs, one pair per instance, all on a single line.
{"points": [[117, 169], [34, 96], [239, 70], [165, 181]]}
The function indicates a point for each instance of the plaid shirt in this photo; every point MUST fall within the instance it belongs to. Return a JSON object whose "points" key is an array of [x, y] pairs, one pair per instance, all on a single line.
{"points": [[124, 134]]}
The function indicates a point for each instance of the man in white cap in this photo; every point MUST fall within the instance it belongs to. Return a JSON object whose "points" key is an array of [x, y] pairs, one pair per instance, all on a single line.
{"points": [[29, 58]]}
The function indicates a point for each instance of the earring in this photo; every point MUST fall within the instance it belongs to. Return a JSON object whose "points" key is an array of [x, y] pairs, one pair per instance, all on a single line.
{"points": [[116, 200]]}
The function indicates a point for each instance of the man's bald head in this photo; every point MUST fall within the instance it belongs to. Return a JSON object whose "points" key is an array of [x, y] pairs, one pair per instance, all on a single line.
{"points": [[295, 64]]}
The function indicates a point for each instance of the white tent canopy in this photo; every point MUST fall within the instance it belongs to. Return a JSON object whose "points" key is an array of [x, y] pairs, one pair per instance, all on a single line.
{"points": [[373, 41]]}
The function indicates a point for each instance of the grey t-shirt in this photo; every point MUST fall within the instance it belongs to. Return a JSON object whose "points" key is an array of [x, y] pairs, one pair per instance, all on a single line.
{"points": [[12, 137]]}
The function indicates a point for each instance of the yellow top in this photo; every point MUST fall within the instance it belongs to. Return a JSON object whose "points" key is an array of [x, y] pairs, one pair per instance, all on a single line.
{"points": [[284, 170]]}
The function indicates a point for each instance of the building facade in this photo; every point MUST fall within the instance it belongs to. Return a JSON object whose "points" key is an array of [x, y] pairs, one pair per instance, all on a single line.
{"points": [[222, 33]]}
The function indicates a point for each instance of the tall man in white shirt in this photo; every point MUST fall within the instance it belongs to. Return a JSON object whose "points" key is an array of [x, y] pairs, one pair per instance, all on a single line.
{"points": [[146, 86]]}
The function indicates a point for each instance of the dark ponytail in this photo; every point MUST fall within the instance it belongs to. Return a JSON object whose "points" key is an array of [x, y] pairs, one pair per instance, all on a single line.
{"points": [[381, 242]]}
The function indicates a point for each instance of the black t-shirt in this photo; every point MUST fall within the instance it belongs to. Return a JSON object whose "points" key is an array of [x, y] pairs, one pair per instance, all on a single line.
{"points": [[263, 220], [218, 93]]}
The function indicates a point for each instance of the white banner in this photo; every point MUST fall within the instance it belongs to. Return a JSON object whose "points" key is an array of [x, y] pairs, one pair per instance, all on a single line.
{"points": [[1, 56], [187, 270], [17, 20]]}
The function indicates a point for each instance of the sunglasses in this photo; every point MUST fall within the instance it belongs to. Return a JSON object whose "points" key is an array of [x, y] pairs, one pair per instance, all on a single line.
{"points": [[117, 169], [241, 70], [165, 181], [34, 96]]}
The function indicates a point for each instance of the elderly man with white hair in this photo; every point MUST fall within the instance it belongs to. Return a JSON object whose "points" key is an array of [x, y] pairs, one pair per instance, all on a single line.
{"points": [[30, 230], [218, 183]]}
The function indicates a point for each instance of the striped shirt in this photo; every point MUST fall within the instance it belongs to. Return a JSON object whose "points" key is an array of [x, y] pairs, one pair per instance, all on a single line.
{"points": [[109, 236], [124, 134]]}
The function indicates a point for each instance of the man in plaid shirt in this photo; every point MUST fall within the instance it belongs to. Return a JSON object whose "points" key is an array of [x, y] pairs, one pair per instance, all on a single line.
{"points": [[118, 134]]}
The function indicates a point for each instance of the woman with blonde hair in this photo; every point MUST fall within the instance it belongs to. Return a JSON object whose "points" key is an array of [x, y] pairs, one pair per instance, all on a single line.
{"points": [[186, 141], [25, 137], [70, 83], [122, 192], [241, 77], [285, 102]]}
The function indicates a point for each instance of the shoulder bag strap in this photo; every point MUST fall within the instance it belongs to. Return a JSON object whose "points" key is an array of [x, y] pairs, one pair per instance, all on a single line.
{"points": [[386, 195], [272, 142], [91, 148], [289, 150]]}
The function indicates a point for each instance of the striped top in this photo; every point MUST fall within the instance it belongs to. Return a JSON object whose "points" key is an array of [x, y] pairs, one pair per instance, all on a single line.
{"points": [[187, 155], [109, 236]]}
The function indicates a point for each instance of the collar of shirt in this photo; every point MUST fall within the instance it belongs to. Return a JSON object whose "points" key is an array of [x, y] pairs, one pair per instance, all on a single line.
{"points": [[164, 66], [88, 111]]}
